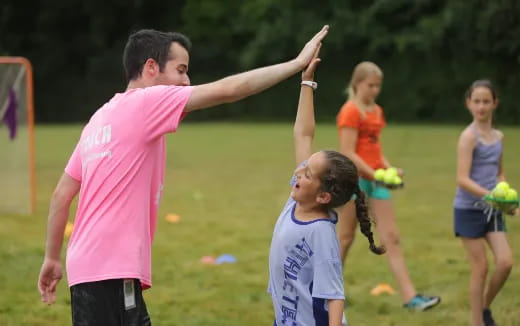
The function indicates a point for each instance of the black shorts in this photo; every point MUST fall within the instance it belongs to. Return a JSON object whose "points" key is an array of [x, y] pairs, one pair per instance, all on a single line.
{"points": [[107, 303], [474, 223]]}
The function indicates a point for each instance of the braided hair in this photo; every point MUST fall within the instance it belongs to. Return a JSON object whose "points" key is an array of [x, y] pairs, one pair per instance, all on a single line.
{"points": [[340, 180], [364, 221]]}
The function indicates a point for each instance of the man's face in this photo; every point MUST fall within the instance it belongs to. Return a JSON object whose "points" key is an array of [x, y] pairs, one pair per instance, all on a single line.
{"points": [[175, 70]]}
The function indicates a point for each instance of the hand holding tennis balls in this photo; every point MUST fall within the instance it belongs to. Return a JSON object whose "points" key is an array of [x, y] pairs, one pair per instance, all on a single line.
{"points": [[388, 178], [503, 191], [504, 197]]}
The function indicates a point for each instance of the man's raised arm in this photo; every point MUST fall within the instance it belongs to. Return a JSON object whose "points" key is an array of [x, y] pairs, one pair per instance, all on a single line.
{"points": [[237, 87]]}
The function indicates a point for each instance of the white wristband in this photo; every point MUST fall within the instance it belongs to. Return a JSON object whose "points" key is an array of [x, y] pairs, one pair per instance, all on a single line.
{"points": [[310, 83]]}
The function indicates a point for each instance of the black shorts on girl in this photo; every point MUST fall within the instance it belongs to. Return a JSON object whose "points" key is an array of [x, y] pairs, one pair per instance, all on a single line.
{"points": [[475, 223], [115, 302]]}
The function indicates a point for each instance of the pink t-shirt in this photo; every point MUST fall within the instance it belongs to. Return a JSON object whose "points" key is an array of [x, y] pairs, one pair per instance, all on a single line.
{"points": [[120, 160]]}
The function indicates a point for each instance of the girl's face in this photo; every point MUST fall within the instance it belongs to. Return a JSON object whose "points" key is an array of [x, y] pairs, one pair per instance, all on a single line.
{"points": [[307, 186], [481, 104], [368, 89]]}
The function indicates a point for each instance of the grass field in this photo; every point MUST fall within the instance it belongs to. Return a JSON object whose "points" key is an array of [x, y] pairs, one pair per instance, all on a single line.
{"points": [[228, 183]]}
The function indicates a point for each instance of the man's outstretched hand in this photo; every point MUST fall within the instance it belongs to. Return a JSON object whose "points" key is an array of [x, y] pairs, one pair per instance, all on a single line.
{"points": [[309, 50]]}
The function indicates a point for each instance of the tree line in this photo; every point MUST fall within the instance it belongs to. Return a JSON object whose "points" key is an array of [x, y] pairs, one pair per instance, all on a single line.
{"points": [[430, 51]]}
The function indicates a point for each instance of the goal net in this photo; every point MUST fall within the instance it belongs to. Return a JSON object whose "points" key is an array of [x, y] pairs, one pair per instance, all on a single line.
{"points": [[17, 170]]}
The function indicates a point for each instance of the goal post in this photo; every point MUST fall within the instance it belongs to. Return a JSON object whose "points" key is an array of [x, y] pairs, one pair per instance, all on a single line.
{"points": [[17, 156]]}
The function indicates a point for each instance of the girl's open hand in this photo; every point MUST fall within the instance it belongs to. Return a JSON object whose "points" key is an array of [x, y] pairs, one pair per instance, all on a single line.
{"points": [[308, 72]]}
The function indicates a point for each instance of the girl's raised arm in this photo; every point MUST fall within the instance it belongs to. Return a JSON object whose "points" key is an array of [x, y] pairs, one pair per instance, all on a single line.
{"points": [[305, 122]]}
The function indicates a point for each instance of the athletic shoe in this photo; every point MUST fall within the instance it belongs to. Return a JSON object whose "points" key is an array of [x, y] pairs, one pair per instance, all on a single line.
{"points": [[421, 302], [488, 318]]}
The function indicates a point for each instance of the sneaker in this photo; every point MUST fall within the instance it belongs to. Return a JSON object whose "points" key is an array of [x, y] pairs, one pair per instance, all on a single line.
{"points": [[488, 318], [421, 303]]}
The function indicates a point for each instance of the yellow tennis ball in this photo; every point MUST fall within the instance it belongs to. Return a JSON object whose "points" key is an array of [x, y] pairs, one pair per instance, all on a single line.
{"points": [[389, 179], [397, 180], [502, 185], [499, 193], [511, 194], [391, 171], [379, 175]]}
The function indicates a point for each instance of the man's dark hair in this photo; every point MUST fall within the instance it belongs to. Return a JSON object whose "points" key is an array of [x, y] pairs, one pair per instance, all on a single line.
{"points": [[150, 44]]}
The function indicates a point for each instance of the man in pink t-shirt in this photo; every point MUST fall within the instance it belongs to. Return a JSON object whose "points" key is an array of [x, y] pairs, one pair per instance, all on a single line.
{"points": [[118, 169]]}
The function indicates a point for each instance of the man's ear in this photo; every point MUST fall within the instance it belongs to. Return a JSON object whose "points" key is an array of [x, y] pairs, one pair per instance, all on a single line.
{"points": [[150, 68]]}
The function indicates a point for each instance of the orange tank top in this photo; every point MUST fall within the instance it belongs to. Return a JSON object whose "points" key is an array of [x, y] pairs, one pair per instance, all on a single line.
{"points": [[369, 129]]}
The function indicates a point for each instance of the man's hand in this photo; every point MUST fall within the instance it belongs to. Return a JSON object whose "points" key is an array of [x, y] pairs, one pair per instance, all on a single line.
{"points": [[309, 50], [237, 87], [308, 73], [50, 275]]}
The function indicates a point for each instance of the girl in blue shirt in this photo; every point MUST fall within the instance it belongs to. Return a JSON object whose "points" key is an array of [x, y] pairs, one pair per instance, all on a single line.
{"points": [[305, 270]]}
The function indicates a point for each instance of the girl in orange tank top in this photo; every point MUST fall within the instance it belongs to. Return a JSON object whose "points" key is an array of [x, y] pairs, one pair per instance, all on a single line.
{"points": [[360, 122]]}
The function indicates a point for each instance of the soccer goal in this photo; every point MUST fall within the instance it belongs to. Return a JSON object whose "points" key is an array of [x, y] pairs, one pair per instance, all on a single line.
{"points": [[17, 159]]}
